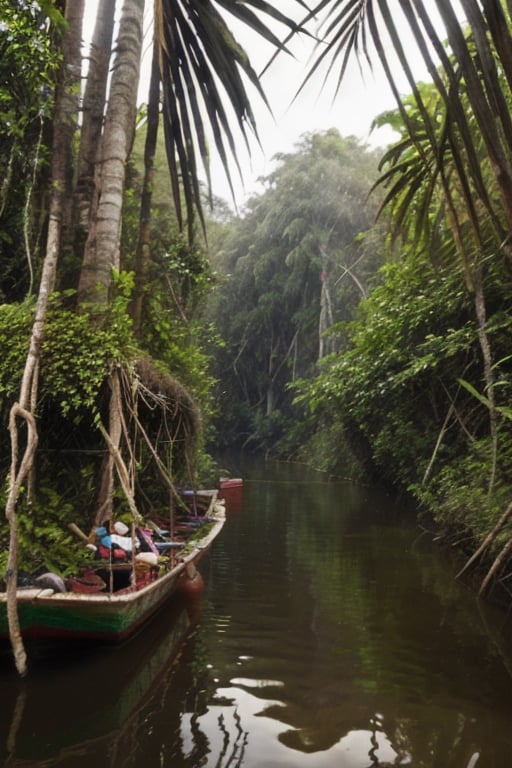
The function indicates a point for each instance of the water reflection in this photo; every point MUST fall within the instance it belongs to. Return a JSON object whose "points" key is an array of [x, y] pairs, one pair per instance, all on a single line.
{"points": [[331, 635], [86, 702], [382, 657], [238, 725]]}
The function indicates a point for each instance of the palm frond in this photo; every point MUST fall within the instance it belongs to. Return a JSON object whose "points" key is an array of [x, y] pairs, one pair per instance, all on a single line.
{"points": [[205, 74], [470, 81]]}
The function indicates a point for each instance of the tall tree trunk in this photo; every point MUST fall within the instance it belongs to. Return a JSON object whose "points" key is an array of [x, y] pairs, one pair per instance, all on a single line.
{"points": [[102, 250], [326, 316], [93, 109], [66, 112], [142, 258]]}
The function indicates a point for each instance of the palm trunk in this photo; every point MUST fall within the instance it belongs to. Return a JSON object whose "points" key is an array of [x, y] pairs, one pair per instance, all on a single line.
{"points": [[92, 123], [142, 258], [102, 249]]}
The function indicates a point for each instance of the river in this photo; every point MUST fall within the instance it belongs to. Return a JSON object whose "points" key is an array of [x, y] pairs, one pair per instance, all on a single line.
{"points": [[332, 634]]}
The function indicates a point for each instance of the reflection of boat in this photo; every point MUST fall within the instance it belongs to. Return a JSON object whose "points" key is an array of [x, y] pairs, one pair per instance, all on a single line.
{"points": [[131, 592], [104, 695]]}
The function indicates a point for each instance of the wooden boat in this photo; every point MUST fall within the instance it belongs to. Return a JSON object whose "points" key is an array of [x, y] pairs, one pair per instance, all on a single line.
{"points": [[115, 613], [231, 490], [227, 483]]}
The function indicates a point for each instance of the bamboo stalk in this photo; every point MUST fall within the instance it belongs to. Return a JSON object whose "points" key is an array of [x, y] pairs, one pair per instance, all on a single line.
{"points": [[78, 532]]}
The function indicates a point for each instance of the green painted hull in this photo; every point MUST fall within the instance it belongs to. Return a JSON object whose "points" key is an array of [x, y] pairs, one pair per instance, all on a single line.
{"points": [[87, 616], [110, 617]]}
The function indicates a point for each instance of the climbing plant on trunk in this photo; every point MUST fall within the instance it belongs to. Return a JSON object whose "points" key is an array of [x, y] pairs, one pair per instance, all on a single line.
{"points": [[24, 408], [201, 67]]}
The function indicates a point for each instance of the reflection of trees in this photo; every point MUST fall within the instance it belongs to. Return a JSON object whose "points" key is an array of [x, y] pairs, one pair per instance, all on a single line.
{"points": [[395, 626], [325, 627], [356, 617]]}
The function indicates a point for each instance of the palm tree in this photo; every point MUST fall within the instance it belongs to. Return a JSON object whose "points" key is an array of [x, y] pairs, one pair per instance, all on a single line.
{"points": [[466, 157], [24, 408], [480, 42], [199, 69]]}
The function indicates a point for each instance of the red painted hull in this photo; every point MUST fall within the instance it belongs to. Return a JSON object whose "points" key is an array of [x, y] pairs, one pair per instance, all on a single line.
{"points": [[231, 490], [231, 483]]}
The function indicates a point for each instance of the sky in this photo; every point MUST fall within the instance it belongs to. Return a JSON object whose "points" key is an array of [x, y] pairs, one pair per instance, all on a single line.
{"points": [[362, 97], [351, 111]]}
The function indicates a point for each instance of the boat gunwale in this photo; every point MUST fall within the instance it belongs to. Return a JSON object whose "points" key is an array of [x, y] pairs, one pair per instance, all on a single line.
{"points": [[40, 595]]}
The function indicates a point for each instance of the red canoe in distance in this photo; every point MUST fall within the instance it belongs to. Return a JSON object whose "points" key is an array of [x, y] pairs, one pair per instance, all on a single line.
{"points": [[231, 490]]}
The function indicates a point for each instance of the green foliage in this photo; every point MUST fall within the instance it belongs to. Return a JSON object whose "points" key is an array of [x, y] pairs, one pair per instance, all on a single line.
{"points": [[403, 355], [77, 358], [326, 445], [77, 355], [29, 58], [15, 326], [457, 497], [45, 542], [173, 331], [297, 249]]}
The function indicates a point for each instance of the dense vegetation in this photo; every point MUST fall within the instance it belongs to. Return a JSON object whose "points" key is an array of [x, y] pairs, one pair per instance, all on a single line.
{"points": [[296, 263], [412, 384], [362, 347], [104, 382]]}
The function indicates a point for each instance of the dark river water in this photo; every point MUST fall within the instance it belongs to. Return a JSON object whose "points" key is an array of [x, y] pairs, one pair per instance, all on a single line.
{"points": [[332, 634]]}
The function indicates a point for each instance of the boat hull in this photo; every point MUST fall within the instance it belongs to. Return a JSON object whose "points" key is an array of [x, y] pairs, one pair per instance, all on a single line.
{"points": [[44, 614], [69, 615], [231, 483], [231, 490]]}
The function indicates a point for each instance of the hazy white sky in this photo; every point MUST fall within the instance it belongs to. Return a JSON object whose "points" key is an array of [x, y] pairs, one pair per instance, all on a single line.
{"points": [[359, 101], [352, 112]]}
